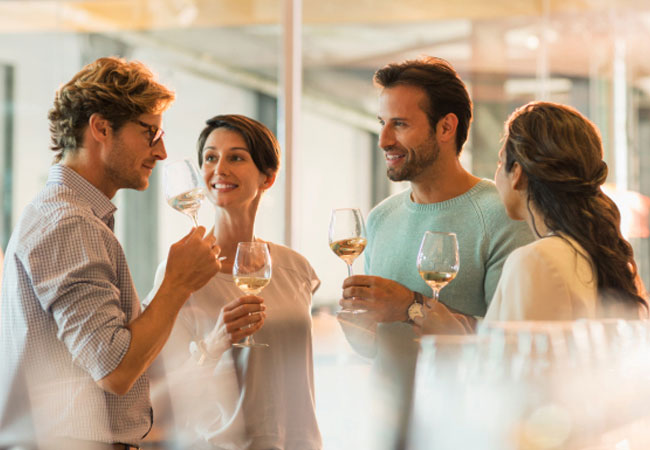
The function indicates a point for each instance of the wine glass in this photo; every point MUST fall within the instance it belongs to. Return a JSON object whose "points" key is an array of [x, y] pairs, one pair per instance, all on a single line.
{"points": [[252, 272], [183, 187], [347, 238], [438, 260]]}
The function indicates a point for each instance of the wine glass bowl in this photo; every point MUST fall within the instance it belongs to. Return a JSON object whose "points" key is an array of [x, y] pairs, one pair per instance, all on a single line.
{"points": [[183, 187], [438, 260], [349, 249], [347, 238], [251, 271]]}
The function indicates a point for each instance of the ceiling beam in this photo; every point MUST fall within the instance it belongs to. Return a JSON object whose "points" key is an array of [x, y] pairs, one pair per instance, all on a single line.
{"points": [[105, 15]]}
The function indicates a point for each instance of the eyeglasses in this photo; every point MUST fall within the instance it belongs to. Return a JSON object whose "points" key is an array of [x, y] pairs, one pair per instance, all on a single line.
{"points": [[155, 133]]}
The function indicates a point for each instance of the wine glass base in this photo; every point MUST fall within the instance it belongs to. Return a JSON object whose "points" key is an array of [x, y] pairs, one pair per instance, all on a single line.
{"points": [[353, 311], [245, 345]]}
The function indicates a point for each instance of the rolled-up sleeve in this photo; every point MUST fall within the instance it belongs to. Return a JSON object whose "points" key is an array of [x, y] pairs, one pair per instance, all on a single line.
{"points": [[75, 278]]}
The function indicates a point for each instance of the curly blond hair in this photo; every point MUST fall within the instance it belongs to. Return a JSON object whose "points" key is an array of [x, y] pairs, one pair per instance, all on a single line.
{"points": [[117, 89]]}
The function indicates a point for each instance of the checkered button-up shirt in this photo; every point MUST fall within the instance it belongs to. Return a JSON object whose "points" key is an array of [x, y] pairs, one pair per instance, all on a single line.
{"points": [[67, 296]]}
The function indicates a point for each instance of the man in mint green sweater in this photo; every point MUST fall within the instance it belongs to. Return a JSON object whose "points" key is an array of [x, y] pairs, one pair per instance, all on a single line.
{"points": [[425, 114]]}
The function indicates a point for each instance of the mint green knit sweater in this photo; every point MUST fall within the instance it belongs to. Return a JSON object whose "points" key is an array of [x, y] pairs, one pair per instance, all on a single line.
{"points": [[486, 236]]}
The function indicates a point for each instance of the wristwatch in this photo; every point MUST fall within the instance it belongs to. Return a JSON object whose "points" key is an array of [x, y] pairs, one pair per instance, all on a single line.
{"points": [[415, 309]]}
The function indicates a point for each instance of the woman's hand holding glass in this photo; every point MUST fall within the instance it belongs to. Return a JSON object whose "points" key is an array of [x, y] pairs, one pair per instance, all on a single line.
{"points": [[439, 319], [241, 318], [237, 320]]}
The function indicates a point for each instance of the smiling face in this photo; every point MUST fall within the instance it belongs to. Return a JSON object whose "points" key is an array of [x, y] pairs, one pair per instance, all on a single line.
{"points": [[229, 172], [129, 159], [407, 139]]}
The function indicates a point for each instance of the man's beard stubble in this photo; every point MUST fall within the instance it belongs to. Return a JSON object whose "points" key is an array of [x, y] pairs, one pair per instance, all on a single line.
{"points": [[424, 156], [120, 171]]}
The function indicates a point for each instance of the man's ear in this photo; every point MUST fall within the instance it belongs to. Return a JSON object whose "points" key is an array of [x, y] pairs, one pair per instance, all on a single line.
{"points": [[518, 178], [447, 128], [99, 127]]}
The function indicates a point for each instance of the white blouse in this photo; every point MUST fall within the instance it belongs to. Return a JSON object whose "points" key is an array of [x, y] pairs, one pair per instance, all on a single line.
{"points": [[254, 398], [550, 279]]}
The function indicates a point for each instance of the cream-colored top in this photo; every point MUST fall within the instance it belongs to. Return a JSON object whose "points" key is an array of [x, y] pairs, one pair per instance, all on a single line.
{"points": [[550, 279], [251, 398]]}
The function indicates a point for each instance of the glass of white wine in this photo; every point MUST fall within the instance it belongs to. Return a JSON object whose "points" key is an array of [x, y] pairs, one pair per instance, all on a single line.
{"points": [[252, 272], [183, 187], [438, 260], [347, 238]]}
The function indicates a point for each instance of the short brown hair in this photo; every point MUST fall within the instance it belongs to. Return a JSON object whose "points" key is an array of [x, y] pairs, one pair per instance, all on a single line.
{"points": [[443, 87], [113, 87], [262, 144]]}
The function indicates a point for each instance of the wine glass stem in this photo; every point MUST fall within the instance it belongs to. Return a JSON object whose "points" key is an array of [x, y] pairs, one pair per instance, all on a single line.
{"points": [[249, 341], [349, 270], [194, 219], [436, 295]]}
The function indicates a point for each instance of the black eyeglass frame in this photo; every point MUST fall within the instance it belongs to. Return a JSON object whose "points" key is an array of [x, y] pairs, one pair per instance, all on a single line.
{"points": [[155, 132]]}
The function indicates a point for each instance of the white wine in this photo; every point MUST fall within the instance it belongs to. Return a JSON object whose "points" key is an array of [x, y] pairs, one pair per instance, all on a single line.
{"points": [[188, 202], [251, 285], [437, 280], [349, 249]]}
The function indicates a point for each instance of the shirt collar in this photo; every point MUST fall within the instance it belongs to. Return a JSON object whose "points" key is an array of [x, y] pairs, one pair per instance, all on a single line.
{"points": [[101, 205]]}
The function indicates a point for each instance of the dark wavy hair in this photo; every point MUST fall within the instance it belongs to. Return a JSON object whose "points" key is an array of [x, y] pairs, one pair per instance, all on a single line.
{"points": [[443, 87], [117, 89], [561, 153], [262, 144]]}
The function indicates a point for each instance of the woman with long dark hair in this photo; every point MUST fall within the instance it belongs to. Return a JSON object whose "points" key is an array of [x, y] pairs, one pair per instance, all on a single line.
{"points": [[550, 174]]}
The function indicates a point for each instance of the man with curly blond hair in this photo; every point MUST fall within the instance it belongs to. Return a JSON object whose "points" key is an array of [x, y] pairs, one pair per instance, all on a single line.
{"points": [[74, 343]]}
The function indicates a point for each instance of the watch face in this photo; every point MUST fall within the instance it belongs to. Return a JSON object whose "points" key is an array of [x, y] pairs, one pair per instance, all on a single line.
{"points": [[415, 311]]}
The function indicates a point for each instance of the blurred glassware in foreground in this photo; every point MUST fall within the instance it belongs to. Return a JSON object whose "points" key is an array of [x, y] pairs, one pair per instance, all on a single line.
{"points": [[535, 385]]}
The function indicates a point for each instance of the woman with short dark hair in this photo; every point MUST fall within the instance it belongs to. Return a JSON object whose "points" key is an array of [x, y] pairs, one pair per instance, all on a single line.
{"points": [[254, 398]]}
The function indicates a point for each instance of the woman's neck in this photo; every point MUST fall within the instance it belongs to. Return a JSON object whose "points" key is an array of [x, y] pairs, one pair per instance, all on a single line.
{"points": [[536, 222], [230, 228]]}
